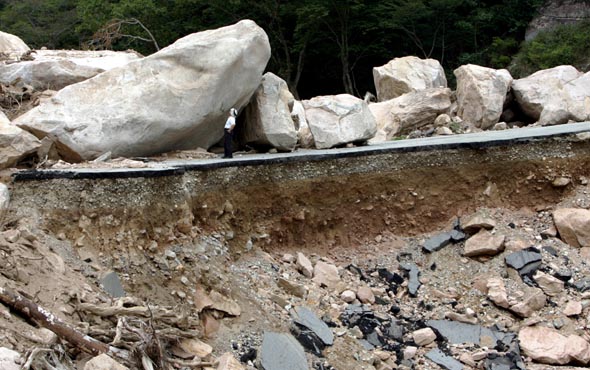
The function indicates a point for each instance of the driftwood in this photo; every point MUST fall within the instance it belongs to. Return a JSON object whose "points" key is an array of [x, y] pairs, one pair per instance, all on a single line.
{"points": [[46, 319]]}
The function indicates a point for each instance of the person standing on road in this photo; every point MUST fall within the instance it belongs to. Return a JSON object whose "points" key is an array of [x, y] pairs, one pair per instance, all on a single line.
{"points": [[228, 136]]}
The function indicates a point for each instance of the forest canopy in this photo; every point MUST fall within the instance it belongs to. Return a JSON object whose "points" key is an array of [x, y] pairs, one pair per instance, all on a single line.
{"points": [[319, 46]]}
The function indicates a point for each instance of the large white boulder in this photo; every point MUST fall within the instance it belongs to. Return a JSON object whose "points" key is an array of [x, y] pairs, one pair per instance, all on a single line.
{"points": [[408, 74], [543, 95], [15, 143], [410, 111], [11, 45], [175, 99], [268, 116], [578, 98], [339, 119], [4, 198], [56, 69], [481, 93], [304, 135]]}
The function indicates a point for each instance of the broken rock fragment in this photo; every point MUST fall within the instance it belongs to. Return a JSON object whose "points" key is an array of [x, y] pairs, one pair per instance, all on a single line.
{"points": [[525, 261], [304, 265], [413, 275], [424, 337], [548, 346], [497, 292], [281, 352], [549, 284], [326, 274], [307, 318], [445, 361], [573, 225], [228, 362], [534, 301], [484, 243]]}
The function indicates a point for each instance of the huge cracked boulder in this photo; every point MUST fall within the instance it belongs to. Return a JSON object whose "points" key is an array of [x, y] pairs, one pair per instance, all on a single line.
{"points": [[175, 99], [408, 74], [339, 119], [548, 346], [56, 69], [546, 97], [15, 143], [481, 93], [573, 225], [12, 45], [268, 116], [410, 111]]}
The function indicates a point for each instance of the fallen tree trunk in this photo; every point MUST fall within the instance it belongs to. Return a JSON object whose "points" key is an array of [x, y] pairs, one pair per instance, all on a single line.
{"points": [[46, 319]]}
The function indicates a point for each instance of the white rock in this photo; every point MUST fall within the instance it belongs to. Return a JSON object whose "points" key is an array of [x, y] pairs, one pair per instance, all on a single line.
{"points": [[56, 69], [410, 111], [348, 296], [304, 135], [268, 116], [542, 95], [4, 198], [103, 362], [9, 359], [339, 119], [175, 99], [15, 143], [408, 74], [423, 337], [481, 93], [12, 45]]}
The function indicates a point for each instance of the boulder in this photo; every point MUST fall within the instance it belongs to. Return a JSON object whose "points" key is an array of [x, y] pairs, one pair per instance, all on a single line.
{"points": [[11, 45], [578, 98], [573, 225], [543, 95], [15, 143], [411, 111], [103, 362], [339, 119], [548, 346], [175, 99], [408, 74], [304, 136], [9, 359], [56, 69], [481, 93], [268, 116]]}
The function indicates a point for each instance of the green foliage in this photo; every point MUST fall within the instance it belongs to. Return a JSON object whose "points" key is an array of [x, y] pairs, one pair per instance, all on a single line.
{"points": [[569, 44]]}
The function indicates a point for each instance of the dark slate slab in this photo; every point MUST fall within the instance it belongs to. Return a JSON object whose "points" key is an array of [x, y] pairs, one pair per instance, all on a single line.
{"points": [[437, 242], [413, 275], [525, 261], [458, 333], [394, 330], [281, 352], [457, 236], [309, 340], [443, 360], [305, 317], [112, 285], [582, 285]]}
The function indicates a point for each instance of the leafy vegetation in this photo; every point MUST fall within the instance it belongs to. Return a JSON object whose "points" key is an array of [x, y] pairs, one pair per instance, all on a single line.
{"points": [[568, 44], [319, 46]]}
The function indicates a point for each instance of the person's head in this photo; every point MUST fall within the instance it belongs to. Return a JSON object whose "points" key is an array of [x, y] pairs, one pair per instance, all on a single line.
{"points": [[233, 112]]}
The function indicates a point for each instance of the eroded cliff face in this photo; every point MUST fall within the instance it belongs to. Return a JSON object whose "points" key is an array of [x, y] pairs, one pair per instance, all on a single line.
{"points": [[558, 12]]}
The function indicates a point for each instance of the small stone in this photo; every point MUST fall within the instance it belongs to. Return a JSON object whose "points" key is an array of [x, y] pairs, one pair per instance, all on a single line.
{"points": [[288, 258], [467, 359], [573, 308], [295, 289], [443, 131], [484, 243], [561, 182], [533, 302], [500, 126], [103, 362], [410, 352], [365, 295], [549, 284], [348, 296], [497, 292], [326, 274], [184, 280], [424, 337], [228, 362], [304, 265], [170, 254], [461, 318]]}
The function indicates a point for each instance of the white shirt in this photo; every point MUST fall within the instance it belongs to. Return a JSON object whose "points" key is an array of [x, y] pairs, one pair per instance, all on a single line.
{"points": [[231, 122]]}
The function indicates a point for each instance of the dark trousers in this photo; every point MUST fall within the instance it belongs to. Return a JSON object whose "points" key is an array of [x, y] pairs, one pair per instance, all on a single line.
{"points": [[227, 141]]}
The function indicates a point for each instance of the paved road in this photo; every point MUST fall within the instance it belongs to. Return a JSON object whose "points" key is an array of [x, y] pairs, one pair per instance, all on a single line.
{"points": [[475, 140]]}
